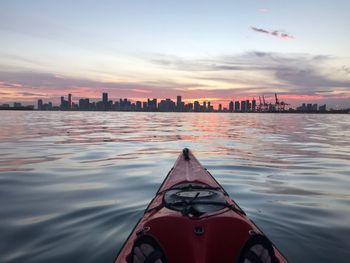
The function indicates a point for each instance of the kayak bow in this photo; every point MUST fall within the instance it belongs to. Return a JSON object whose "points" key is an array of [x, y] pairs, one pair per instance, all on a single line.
{"points": [[193, 220]]}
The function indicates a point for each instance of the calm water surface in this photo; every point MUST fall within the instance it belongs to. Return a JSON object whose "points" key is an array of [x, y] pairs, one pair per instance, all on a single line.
{"points": [[73, 184]]}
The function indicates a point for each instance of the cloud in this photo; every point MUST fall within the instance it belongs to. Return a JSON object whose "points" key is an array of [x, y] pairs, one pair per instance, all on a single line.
{"points": [[260, 30], [236, 75], [295, 73], [274, 33], [345, 69], [52, 86]]}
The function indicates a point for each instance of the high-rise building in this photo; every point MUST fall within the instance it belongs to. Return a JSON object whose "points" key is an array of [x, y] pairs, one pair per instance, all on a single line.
{"points": [[322, 108], [84, 104], [196, 106], [190, 106], [138, 105], [166, 105], [247, 105], [179, 103], [105, 100], [152, 104], [40, 104], [220, 107], [253, 105], [144, 106], [230, 107], [69, 101], [64, 104], [309, 107], [237, 106], [243, 106]]}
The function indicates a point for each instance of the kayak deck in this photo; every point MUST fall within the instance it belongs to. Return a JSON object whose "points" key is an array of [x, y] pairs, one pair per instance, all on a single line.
{"points": [[189, 234]]}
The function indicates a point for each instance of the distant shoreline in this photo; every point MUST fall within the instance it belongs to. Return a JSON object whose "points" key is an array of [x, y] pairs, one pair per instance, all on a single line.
{"points": [[345, 111]]}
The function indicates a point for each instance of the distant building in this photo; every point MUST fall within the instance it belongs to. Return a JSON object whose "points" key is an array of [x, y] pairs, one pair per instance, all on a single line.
{"points": [[220, 108], [243, 106], [322, 108], [69, 101], [40, 104], [144, 106], [105, 101], [230, 107], [253, 105], [64, 104], [17, 105], [204, 106], [189, 107], [309, 107], [237, 106], [248, 105], [152, 104], [138, 106], [49, 106], [84, 104], [179, 103], [166, 105], [196, 106]]}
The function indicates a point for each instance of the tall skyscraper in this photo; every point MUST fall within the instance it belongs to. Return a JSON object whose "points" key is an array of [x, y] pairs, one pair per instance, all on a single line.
{"points": [[40, 104], [237, 106], [243, 106], [253, 105], [196, 106], [210, 107], [138, 105], [69, 101], [144, 106], [178, 103], [105, 100], [230, 107]]}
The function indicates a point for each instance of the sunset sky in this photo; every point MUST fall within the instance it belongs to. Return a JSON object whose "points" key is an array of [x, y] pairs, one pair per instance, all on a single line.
{"points": [[217, 50]]}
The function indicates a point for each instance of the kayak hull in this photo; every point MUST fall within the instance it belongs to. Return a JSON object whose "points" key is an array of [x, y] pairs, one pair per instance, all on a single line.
{"points": [[217, 236]]}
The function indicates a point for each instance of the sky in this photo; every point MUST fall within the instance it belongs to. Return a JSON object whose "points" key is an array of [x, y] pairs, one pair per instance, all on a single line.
{"points": [[202, 50]]}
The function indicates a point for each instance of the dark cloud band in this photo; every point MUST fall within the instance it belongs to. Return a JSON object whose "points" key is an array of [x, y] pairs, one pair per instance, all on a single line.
{"points": [[274, 33]]}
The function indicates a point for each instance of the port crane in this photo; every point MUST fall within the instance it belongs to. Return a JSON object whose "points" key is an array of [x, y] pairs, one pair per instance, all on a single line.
{"points": [[280, 106]]}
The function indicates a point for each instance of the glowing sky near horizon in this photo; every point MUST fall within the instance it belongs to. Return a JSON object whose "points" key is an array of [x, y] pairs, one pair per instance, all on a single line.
{"points": [[157, 48]]}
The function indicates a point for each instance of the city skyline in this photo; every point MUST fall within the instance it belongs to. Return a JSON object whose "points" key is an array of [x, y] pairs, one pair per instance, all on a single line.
{"points": [[202, 49], [270, 99], [168, 105]]}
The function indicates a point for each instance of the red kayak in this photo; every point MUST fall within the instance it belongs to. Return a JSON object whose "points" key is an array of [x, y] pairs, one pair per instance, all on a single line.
{"points": [[193, 220]]}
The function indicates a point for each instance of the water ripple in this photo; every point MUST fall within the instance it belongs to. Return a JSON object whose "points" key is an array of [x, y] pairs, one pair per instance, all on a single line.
{"points": [[73, 184]]}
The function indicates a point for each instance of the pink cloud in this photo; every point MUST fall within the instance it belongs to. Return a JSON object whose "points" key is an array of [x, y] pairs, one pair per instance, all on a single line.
{"points": [[141, 90]]}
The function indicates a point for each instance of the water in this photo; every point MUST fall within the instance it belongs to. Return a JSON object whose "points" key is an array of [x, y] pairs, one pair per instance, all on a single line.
{"points": [[73, 184]]}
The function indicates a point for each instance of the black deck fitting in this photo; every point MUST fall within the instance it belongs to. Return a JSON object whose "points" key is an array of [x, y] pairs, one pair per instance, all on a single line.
{"points": [[186, 152]]}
